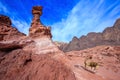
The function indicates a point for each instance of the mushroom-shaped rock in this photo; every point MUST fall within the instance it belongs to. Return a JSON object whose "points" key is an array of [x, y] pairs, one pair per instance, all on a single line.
{"points": [[37, 29]]}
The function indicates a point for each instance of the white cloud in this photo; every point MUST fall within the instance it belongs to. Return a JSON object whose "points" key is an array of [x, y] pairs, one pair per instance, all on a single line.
{"points": [[22, 26], [85, 17]]}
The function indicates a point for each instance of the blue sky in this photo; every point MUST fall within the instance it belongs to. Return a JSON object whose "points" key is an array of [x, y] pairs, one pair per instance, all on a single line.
{"points": [[67, 18]]}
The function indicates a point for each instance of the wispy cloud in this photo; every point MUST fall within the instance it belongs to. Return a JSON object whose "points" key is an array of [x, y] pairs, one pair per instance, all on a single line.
{"points": [[17, 22], [21, 25], [86, 17], [3, 8]]}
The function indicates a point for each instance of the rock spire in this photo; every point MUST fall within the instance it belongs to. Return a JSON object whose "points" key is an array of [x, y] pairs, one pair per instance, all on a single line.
{"points": [[37, 29]]}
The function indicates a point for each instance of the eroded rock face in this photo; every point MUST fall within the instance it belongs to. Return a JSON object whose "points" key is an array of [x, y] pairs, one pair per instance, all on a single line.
{"points": [[37, 29], [40, 34], [4, 20], [33, 57], [36, 57], [110, 36], [12, 45], [117, 24], [7, 32], [21, 65]]}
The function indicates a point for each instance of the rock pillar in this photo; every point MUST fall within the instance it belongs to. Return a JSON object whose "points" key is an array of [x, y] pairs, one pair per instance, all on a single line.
{"points": [[37, 29]]}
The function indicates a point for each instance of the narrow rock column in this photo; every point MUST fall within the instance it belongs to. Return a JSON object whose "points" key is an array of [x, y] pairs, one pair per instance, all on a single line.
{"points": [[37, 29], [37, 12]]}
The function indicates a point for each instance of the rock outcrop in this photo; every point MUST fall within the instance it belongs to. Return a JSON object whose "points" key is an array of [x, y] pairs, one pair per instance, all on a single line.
{"points": [[7, 32], [33, 57], [37, 29], [36, 57], [40, 34], [110, 36], [12, 45], [4, 20]]}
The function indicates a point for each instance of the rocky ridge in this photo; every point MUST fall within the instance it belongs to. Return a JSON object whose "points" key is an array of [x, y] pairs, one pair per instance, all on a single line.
{"points": [[110, 36], [7, 32]]}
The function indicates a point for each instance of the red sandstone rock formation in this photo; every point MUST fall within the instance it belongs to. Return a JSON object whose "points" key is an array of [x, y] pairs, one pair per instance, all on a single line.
{"points": [[7, 32], [12, 45], [37, 58], [34, 57], [37, 28]]}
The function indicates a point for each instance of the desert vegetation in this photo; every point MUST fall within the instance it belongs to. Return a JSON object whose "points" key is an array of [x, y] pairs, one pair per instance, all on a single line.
{"points": [[90, 63]]}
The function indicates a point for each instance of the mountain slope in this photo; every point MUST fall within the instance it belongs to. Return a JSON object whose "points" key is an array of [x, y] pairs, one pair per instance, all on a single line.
{"points": [[110, 36]]}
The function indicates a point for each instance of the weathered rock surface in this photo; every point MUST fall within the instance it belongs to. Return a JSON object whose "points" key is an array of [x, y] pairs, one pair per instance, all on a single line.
{"points": [[33, 57], [57, 43], [21, 65], [36, 57], [37, 29], [42, 46], [110, 36], [12, 45], [107, 57], [4, 20], [7, 32]]}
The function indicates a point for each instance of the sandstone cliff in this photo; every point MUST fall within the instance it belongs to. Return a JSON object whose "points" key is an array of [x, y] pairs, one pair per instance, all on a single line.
{"points": [[110, 36]]}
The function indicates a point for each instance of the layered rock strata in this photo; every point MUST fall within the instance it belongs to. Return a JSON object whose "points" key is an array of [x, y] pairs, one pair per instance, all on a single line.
{"points": [[37, 29], [7, 32], [40, 34]]}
